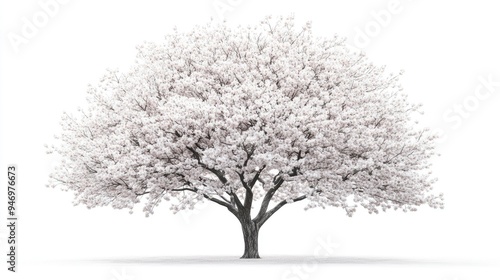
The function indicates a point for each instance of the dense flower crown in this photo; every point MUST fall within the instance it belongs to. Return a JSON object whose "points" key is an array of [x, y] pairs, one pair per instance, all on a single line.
{"points": [[216, 112]]}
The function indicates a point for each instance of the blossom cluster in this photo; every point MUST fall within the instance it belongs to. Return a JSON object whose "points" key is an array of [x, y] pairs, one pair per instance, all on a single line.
{"points": [[204, 112]]}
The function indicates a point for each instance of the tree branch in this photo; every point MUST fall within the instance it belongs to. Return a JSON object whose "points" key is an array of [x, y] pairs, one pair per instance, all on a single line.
{"points": [[267, 199], [268, 215], [248, 193], [256, 177], [236, 200], [216, 172], [213, 199]]}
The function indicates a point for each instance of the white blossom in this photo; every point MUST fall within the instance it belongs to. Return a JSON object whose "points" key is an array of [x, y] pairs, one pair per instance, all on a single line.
{"points": [[203, 113]]}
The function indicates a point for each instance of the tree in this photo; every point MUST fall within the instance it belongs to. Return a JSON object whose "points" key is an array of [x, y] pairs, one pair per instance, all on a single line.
{"points": [[251, 119]]}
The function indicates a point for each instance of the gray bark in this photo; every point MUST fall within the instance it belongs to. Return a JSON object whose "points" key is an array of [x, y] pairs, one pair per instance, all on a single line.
{"points": [[251, 238]]}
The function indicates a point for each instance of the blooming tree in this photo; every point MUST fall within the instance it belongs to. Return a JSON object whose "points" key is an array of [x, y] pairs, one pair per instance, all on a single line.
{"points": [[252, 119]]}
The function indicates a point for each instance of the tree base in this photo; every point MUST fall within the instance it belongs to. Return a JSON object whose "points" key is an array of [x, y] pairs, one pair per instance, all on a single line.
{"points": [[251, 238], [250, 256]]}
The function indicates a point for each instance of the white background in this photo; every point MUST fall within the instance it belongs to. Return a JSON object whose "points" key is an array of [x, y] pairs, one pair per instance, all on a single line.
{"points": [[445, 48]]}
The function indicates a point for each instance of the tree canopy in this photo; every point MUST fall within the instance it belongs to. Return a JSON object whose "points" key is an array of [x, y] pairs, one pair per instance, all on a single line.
{"points": [[266, 113]]}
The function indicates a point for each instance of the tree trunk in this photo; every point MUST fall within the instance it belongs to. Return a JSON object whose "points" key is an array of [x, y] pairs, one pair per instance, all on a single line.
{"points": [[251, 237]]}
